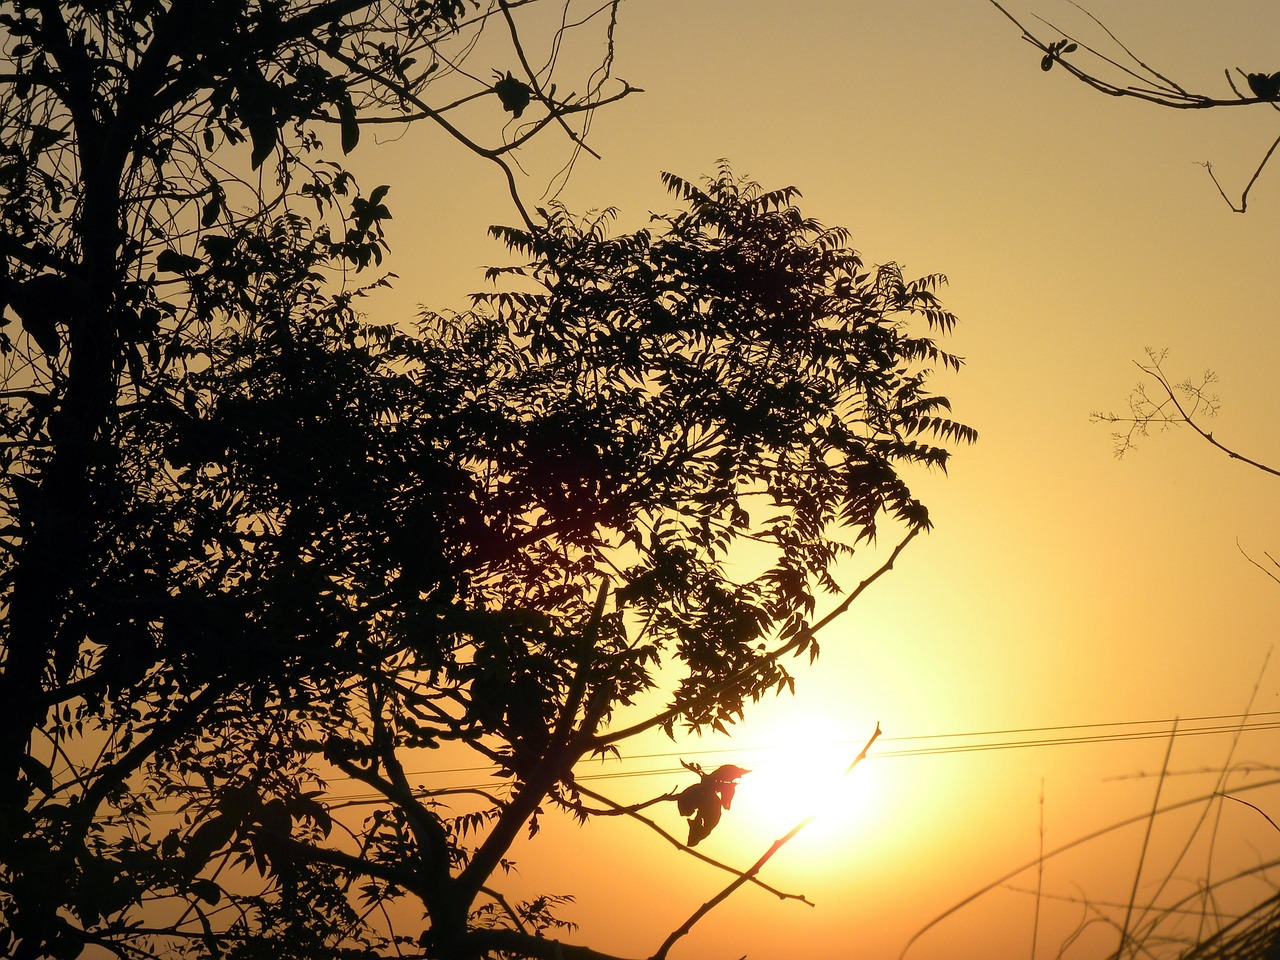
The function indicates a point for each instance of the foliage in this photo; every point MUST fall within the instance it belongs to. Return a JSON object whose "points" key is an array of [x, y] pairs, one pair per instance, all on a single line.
{"points": [[515, 519], [252, 542], [171, 200], [502, 531]]}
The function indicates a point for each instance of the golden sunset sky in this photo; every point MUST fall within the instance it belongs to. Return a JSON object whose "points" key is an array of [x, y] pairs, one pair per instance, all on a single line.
{"points": [[1061, 587]]}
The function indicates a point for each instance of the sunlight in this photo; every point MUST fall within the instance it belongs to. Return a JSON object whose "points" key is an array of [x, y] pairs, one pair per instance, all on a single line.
{"points": [[802, 773]]}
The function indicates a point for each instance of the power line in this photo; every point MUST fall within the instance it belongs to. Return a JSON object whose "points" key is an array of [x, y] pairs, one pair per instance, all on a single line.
{"points": [[973, 741]]}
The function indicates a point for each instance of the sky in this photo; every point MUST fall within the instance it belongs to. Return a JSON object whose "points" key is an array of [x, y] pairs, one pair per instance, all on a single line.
{"points": [[1061, 587]]}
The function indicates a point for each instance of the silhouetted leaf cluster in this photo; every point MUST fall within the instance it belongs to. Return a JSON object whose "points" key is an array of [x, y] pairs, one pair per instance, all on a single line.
{"points": [[704, 802], [1055, 51], [514, 94], [1265, 86]]}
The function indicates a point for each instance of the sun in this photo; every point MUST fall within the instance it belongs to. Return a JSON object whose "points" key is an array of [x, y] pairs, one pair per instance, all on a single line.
{"points": [[802, 772]]}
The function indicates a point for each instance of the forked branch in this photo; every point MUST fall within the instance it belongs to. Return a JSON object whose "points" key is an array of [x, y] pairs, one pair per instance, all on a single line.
{"points": [[1178, 404]]}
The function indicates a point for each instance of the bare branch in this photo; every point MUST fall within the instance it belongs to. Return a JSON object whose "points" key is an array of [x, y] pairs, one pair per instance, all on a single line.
{"points": [[1152, 86], [777, 845], [633, 813]]}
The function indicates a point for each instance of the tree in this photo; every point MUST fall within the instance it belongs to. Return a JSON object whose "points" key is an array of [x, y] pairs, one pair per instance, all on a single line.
{"points": [[164, 177], [1119, 72], [501, 531]]}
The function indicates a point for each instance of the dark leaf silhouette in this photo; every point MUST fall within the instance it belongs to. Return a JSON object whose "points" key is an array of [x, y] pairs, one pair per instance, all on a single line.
{"points": [[704, 802], [1265, 86], [514, 94], [1055, 52]]}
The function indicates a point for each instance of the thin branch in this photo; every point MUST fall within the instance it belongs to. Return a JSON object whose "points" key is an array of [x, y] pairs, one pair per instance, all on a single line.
{"points": [[1269, 573], [1189, 420], [535, 84], [1170, 95], [803, 637], [697, 854], [860, 588], [1266, 816], [1132, 56], [1244, 196], [777, 845], [1155, 87]]}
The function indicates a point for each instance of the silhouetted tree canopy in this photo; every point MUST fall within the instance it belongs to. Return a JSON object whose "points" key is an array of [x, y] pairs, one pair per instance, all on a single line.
{"points": [[252, 542], [168, 171], [493, 530]]}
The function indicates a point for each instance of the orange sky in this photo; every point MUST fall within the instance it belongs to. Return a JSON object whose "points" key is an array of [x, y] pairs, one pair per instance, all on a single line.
{"points": [[1061, 586]]}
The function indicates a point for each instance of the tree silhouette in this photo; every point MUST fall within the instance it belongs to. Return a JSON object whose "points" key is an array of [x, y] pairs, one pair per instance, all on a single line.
{"points": [[494, 532], [253, 542], [164, 179], [497, 531]]}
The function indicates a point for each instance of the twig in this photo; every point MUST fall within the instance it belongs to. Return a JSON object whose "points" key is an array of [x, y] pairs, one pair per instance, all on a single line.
{"points": [[777, 845], [1187, 418], [1266, 816], [536, 84], [636, 815], [1269, 573], [1154, 87], [1244, 196]]}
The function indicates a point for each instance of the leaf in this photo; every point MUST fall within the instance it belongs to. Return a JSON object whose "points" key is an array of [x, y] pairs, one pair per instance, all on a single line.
{"points": [[37, 773], [42, 138], [347, 122], [171, 261], [212, 209], [704, 802], [263, 133], [729, 772], [207, 890], [691, 798], [701, 826], [257, 112], [1265, 86], [514, 94], [207, 839]]}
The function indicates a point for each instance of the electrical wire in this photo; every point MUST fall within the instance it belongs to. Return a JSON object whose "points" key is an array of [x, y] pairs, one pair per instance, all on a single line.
{"points": [[974, 741]]}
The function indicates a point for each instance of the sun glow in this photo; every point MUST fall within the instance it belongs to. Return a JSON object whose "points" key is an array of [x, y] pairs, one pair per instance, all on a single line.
{"points": [[804, 773]]}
